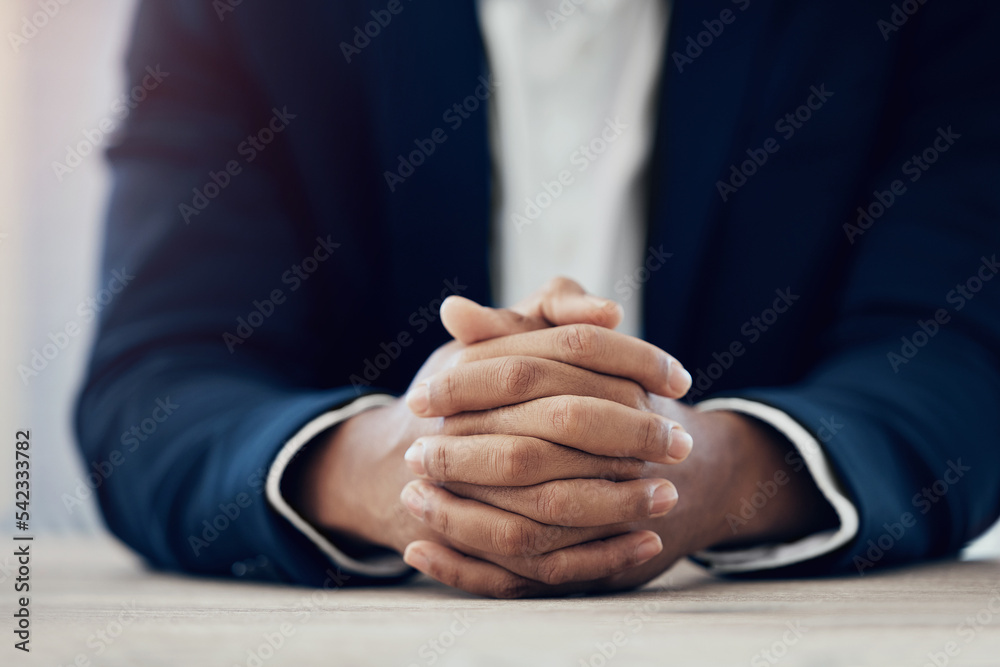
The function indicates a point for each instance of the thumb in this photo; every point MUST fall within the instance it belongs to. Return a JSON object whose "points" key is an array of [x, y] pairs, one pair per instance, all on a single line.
{"points": [[562, 301], [469, 323]]}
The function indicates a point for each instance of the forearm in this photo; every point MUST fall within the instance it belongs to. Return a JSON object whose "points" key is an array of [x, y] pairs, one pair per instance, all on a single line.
{"points": [[190, 494]]}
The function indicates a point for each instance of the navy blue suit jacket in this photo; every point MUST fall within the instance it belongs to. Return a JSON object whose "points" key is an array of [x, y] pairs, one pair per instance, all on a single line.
{"points": [[245, 317]]}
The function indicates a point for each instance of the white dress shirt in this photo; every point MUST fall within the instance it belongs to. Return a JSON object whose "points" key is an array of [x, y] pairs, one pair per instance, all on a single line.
{"points": [[571, 130]]}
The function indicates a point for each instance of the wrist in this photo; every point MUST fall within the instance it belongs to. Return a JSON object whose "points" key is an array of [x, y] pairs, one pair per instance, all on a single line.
{"points": [[767, 500], [339, 479], [706, 481]]}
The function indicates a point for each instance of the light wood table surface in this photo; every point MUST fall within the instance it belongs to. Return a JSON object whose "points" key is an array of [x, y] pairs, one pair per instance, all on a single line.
{"points": [[83, 589]]}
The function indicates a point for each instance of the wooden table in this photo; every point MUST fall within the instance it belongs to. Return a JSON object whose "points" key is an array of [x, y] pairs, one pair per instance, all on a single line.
{"points": [[93, 603]]}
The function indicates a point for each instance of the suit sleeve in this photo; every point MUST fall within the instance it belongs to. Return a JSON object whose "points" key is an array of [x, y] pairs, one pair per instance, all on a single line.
{"points": [[910, 370], [218, 319], [806, 456], [384, 564]]}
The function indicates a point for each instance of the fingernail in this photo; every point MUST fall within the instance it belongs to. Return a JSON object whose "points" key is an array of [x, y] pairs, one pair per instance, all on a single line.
{"points": [[680, 379], [606, 306], [415, 458], [416, 559], [664, 497], [679, 444], [413, 500], [647, 549], [419, 399]]}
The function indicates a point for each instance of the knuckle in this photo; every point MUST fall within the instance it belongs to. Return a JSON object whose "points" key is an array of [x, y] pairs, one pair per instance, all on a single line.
{"points": [[560, 283], [627, 468], [510, 588], [447, 391], [568, 414], [618, 560], [514, 318], [553, 568], [455, 577], [639, 397], [464, 356], [512, 538], [652, 432], [437, 518], [550, 503], [633, 503], [440, 462], [457, 424], [517, 460], [663, 361], [580, 340], [548, 538], [518, 376]]}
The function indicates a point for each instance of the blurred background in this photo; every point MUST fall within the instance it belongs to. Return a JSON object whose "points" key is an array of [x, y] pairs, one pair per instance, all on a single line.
{"points": [[61, 74], [62, 87]]}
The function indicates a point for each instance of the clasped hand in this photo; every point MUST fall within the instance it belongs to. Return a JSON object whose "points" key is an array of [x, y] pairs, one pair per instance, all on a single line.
{"points": [[547, 452], [541, 453]]}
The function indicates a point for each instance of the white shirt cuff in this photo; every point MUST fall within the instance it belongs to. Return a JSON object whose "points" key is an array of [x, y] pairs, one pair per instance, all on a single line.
{"points": [[771, 556], [383, 566]]}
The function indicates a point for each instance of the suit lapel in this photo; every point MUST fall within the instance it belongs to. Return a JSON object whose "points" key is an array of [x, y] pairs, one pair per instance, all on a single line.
{"points": [[427, 62], [704, 108]]}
